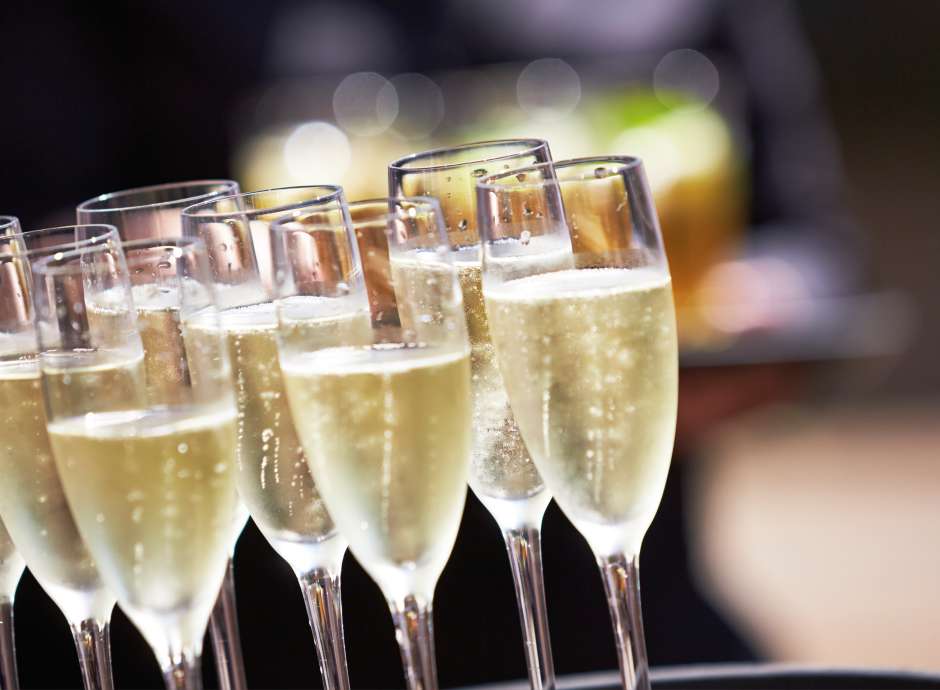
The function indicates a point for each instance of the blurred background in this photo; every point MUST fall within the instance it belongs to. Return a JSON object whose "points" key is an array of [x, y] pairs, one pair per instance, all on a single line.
{"points": [[793, 150]]}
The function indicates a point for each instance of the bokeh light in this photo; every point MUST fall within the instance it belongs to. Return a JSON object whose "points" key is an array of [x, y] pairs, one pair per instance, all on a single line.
{"points": [[420, 105], [316, 152], [548, 89], [689, 72], [365, 104]]}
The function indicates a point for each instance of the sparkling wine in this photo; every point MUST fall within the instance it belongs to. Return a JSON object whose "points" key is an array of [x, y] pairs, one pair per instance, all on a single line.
{"points": [[273, 475], [154, 498], [32, 502], [590, 362], [11, 565], [500, 467], [387, 431]]}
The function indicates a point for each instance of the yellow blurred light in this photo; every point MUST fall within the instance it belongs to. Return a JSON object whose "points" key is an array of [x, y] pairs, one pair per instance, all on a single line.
{"points": [[317, 152]]}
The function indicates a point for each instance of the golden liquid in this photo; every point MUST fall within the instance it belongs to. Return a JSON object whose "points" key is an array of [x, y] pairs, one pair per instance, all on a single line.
{"points": [[274, 478], [32, 502], [153, 493], [11, 566], [180, 357], [387, 431], [165, 364], [93, 381], [501, 467], [590, 362]]}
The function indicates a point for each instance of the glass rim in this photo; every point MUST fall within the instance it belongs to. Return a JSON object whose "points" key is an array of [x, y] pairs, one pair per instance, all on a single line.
{"points": [[110, 232], [91, 205], [93, 245], [490, 182], [191, 211], [403, 164], [8, 221], [430, 201], [183, 243], [433, 205]]}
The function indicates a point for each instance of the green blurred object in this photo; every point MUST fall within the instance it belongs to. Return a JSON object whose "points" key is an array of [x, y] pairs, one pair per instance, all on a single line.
{"points": [[698, 179]]}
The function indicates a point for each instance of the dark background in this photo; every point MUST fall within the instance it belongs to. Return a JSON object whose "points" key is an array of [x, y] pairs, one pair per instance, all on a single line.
{"points": [[103, 96]]}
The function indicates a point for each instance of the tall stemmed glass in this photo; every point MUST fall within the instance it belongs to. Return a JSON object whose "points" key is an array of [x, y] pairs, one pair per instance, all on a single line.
{"points": [[502, 474], [32, 502], [383, 410], [151, 484], [11, 564], [148, 213], [274, 479], [585, 337]]}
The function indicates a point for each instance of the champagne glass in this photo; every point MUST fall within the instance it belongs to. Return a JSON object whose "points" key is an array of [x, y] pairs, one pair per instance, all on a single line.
{"points": [[147, 213], [585, 337], [502, 474], [11, 564], [32, 502], [382, 408], [274, 478], [150, 482]]}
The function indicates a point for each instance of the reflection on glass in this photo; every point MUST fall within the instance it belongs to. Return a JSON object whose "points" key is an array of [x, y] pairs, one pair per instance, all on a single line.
{"points": [[502, 474], [586, 341]]}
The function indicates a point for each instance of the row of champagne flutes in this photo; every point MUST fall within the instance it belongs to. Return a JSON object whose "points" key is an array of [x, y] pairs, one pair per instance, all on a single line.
{"points": [[264, 340]]}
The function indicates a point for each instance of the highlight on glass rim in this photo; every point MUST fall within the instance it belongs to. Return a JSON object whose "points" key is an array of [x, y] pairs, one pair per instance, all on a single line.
{"points": [[492, 346]]}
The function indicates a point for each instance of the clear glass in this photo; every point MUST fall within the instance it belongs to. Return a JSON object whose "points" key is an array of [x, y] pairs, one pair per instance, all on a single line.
{"points": [[152, 212], [382, 405], [502, 474], [141, 420], [274, 479], [11, 564], [579, 297], [32, 503]]}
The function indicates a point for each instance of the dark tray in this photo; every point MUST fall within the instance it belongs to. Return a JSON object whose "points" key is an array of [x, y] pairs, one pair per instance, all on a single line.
{"points": [[752, 677]]}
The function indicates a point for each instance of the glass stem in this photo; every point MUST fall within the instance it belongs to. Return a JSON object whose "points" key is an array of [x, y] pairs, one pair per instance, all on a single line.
{"points": [[93, 643], [621, 577], [226, 642], [8, 678], [415, 633], [524, 545], [321, 591], [183, 671]]}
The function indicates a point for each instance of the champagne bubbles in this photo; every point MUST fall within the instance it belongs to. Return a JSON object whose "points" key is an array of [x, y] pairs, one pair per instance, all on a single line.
{"points": [[365, 104], [317, 151], [548, 89], [688, 72]]}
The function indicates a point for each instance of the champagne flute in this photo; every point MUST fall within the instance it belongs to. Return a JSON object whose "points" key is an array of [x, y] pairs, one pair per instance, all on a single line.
{"points": [[11, 564], [32, 502], [151, 485], [274, 479], [585, 337], [502, 474], [382, 408], [147, 213]]}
